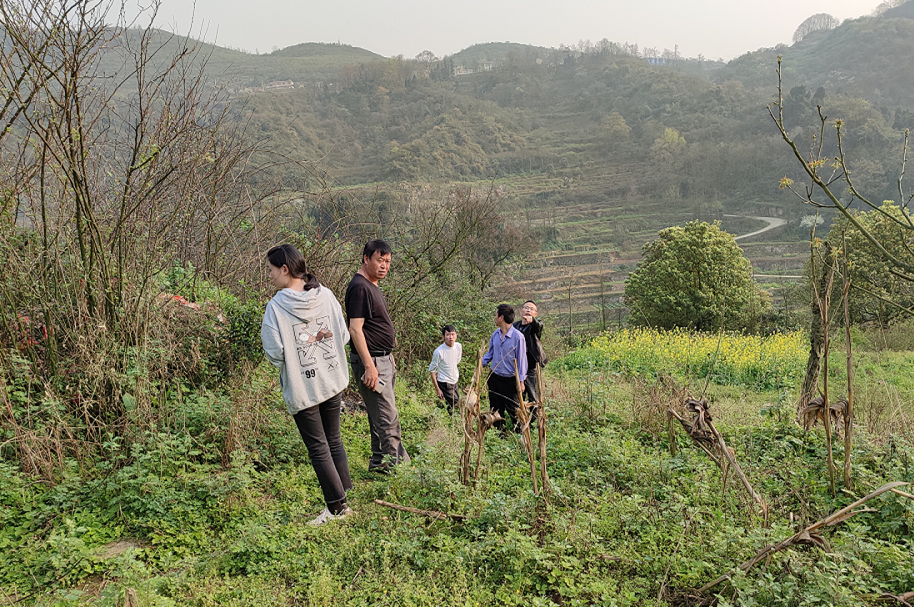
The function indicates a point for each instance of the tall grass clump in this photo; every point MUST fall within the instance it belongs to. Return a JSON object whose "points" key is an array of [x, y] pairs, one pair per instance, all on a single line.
{"points": [[752, 361]]}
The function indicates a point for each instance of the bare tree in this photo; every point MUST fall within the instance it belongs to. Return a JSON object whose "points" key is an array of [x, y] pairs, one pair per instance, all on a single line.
{"points": [[115, 176], [828, 177], [886, 5], [815, 23]]}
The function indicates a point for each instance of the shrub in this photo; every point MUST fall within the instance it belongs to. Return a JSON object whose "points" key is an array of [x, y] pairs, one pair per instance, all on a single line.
{"points": [[694, 276]]}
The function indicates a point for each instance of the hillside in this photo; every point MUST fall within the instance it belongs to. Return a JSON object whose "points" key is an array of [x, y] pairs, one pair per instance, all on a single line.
{"points": [[495, 51], [331, 53], [867, 58], [593, 150], [312, 63]]}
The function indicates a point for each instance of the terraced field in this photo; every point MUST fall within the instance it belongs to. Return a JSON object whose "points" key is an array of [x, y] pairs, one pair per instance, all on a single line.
{"points": [[598, 242], [594, 229]]}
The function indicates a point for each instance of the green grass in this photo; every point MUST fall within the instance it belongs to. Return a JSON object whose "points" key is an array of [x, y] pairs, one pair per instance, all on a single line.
{"points": [[628, 523]]}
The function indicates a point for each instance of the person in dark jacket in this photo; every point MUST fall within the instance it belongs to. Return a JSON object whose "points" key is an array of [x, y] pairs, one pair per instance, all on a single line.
{"points": [[532, 329]]}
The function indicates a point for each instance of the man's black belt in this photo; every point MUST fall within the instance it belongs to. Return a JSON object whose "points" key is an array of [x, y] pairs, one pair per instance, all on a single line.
{"points": [[380, 353]]}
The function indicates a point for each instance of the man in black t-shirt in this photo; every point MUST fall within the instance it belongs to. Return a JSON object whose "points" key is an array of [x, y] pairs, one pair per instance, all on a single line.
{"points": [[371, 348]]}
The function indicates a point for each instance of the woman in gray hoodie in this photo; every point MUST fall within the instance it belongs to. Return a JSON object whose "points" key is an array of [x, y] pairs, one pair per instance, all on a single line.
{"points": [[303, 334]]}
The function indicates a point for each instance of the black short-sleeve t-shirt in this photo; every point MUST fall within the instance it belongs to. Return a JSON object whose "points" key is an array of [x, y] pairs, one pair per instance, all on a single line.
{"points": [[365, 300]]}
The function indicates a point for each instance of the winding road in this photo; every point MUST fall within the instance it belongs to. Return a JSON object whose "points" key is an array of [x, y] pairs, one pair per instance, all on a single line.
{"points": [[773, 222]]}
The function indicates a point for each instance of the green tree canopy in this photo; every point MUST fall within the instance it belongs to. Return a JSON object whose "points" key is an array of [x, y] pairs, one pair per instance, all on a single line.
{"points": [[694, 276]]}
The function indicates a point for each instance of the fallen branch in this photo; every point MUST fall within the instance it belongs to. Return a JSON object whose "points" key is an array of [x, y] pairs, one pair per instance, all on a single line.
{"points": [[434, 514], [810, 534], [903, 599]]}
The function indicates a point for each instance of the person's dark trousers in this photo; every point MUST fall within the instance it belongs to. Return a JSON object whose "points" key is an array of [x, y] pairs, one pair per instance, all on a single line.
{"points": [[319, 427], [532, 393], [503, 399], [450, 396], [383, 418]]}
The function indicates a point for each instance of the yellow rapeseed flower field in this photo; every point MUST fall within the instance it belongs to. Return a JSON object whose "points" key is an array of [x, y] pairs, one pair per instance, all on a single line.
{"points": [[760, 362]]}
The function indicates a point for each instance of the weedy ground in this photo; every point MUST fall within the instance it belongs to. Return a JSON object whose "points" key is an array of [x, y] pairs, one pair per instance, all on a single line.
{"points": [[628, 523]]}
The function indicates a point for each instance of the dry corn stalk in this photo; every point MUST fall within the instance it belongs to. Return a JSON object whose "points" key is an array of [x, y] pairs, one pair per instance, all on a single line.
{"points": [[524, 416], [701, 429], [811, 534], [485, 421], [541, 430], [433, 514], [814, 412], [469, 412]]}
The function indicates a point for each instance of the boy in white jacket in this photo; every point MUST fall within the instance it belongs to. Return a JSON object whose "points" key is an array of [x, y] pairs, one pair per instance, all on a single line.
{"points": [[303, 334]]}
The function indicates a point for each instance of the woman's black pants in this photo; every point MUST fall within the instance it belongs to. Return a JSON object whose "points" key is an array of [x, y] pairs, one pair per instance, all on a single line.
{"points": [[319, 427]]}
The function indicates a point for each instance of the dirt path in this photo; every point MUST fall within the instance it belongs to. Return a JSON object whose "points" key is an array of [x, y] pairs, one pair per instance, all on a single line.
{"points": [[773, 222]]}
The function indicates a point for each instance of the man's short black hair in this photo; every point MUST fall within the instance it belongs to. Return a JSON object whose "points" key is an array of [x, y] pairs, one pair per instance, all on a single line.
{"points": [[506, 311], [448, 329], [375, 246], [533, 302]]}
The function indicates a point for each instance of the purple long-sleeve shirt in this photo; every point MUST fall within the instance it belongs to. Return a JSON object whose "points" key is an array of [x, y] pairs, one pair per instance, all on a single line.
{"points": [[504, 349]]}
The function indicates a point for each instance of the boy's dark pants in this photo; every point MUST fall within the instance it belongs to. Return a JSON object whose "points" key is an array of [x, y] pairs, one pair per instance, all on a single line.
{"points": [[451, 396]]}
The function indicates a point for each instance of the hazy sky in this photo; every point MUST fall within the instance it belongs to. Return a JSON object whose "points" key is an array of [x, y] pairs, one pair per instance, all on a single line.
{"points": [[714, 28]]}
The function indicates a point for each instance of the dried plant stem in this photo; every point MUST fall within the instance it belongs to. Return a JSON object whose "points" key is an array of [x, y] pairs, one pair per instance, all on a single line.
{"points": [[541, 429], [809, 534], [469, 411], [688, 428], [671, 432], [707, 436], [824, 301], [848, 411], [440, 516], [731, 460], [523, 415]]}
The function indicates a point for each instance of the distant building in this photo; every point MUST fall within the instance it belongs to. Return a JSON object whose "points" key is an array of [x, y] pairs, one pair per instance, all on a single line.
{"points": [[279, 85], [484, 66], [276, 85], [657, 60]]}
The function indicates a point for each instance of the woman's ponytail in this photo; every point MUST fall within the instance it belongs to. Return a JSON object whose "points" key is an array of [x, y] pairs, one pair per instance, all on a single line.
{"points": [[287, 255]]}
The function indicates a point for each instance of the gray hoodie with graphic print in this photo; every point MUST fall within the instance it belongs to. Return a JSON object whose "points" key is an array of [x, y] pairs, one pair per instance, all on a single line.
{"points": [[303, 333]]}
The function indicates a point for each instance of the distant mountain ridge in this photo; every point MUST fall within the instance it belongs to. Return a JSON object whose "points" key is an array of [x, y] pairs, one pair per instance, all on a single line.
{"points": [[869, 58], [494, 51], [321, 49]]}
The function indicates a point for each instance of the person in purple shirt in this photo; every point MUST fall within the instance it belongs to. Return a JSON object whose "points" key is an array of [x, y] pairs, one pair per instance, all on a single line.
{"points": [[507, 346]]}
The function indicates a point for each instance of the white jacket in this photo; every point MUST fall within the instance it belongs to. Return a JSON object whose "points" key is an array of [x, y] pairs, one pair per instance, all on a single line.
{"points": [[303, 333]]}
